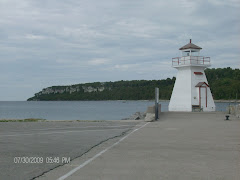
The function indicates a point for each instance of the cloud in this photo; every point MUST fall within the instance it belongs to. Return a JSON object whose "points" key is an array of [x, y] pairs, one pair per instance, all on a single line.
{"points": [[64, 42], [234, 3], [99, 61], [83, 31], [124, 67], [34, 37], [223, 60]]}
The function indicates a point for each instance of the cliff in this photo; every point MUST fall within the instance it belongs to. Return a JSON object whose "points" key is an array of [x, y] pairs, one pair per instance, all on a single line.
{"points": [[224, 84], [119, 90]]}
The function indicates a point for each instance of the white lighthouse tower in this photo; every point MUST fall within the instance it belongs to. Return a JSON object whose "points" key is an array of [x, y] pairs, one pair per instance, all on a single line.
{"points": [[191, 90]]}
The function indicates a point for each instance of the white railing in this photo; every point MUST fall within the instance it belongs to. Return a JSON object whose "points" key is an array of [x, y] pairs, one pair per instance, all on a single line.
{"points": [[191, 60]]}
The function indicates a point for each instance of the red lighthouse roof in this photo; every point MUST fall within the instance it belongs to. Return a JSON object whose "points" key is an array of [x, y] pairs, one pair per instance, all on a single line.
{"points": [[200, 84], [190, 45]]}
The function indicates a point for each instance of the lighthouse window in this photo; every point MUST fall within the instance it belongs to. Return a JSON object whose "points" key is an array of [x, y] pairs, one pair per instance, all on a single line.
{"points": [[186, 53], [194, 53]]}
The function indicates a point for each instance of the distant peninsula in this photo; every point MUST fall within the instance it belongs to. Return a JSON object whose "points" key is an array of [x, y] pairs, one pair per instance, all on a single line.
{"points": [[224, 84]]}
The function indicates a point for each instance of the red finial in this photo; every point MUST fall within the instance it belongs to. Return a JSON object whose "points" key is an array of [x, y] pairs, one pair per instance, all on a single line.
{"points": [[190, 40]]}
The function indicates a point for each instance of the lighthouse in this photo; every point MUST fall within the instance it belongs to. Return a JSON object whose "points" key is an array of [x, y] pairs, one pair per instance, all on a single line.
{"points": [[191, 90]]}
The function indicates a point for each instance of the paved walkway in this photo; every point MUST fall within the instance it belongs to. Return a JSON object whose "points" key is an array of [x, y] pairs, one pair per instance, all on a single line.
{"points": [[180, 146], [28, 149]]}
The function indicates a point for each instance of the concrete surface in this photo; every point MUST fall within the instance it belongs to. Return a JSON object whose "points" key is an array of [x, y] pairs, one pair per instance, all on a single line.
{"points": [[49, 140], [180, 146]]}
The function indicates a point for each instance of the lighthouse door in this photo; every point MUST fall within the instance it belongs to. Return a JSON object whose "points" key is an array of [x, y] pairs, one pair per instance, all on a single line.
{"points": [[203, 97]]}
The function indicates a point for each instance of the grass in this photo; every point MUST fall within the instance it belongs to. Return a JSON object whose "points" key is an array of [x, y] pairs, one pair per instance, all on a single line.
{"points": [[22, 120], [41, 120], [91, 120]]}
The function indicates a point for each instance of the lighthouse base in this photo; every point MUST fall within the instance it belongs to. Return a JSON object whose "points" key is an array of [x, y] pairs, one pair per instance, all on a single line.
{"points": [[179, 108], [191, 90], [192, 108]]}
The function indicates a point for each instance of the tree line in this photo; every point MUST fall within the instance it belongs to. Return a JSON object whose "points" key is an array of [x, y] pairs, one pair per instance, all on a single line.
{"points": [[224, 84]]}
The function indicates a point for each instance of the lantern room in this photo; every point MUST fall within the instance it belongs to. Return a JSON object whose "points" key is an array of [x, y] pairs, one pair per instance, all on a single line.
{"points": [[190, 57], [190, 49]]}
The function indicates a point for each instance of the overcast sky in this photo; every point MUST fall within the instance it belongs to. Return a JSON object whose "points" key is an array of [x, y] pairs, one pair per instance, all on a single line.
{"points": [[62, 42]]}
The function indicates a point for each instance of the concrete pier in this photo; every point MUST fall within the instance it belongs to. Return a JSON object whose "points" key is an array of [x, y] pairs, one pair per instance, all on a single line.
{"points": [[29, 149], [180, 146]]}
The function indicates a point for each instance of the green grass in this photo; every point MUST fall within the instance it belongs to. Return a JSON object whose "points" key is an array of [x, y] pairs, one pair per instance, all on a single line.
{"points": [[91, 120], [22, 120]]}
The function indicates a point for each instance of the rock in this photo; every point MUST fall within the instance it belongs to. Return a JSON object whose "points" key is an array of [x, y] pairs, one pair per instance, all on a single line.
{"points": [[234, 109], [136, 116], [151, 109], [150, 117]]}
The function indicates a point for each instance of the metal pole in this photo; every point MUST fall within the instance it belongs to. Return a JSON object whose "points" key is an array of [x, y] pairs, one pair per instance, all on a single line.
{"points": [[156, 102], [236, 104], [236, 99]]}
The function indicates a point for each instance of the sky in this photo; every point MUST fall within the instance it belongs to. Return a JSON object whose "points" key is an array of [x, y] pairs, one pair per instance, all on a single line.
{"points": [[46, 43]]}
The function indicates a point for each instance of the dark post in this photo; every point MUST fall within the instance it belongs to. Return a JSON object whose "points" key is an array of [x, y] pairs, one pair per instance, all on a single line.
{"points": [[236, 101], [156, 102]]}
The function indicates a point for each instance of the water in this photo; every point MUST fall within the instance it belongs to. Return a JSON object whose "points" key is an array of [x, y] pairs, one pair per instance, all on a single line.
{"points": [[78, 110]]}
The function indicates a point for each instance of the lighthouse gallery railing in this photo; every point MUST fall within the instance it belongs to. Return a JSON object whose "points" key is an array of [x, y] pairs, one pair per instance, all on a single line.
{"points": [[187, 60]]}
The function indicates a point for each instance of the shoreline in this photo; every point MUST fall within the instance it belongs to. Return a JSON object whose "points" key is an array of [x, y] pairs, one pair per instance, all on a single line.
{"points": [[227, 101], [160, 100], [79, 121]]}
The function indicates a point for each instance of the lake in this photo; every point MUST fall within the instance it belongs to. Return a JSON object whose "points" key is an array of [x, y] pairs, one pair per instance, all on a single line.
{"points": [[79, 110]]}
